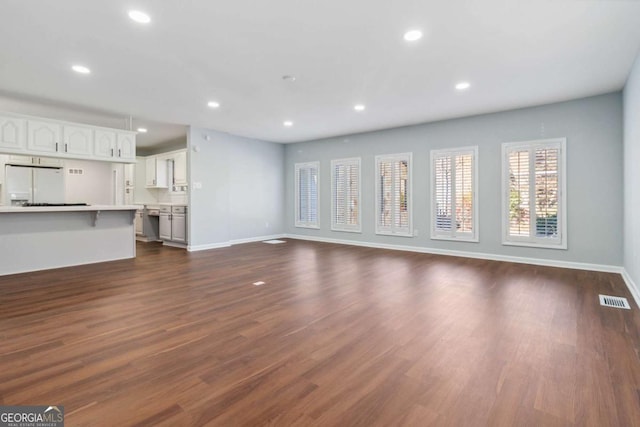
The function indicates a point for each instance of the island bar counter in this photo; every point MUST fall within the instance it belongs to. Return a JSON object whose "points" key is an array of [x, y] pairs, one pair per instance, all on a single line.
{"points": [[40, 238]]}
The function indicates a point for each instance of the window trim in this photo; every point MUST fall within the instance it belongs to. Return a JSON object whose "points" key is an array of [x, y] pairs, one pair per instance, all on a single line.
{"points": [[534, 242], [297, 168], [394, 157], [339, 227], [434, 154]]}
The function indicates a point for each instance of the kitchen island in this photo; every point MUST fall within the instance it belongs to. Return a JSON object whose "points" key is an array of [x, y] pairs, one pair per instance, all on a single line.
{"points": [[39, 238]]}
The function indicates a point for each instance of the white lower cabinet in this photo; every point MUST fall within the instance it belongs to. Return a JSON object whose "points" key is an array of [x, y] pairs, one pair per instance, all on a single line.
{"points": [[139, 221], [179, 228], [173, 224], [165, 223]]}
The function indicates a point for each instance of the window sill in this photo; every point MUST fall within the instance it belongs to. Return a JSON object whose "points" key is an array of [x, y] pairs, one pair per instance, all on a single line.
{"points": [[561, 246], [456, 239], [389, 233], [315, 227], [347, 230]]}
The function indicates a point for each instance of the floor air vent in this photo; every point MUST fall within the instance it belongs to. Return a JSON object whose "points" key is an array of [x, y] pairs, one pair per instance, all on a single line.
{"points": [[617, 302], [273, 242]]}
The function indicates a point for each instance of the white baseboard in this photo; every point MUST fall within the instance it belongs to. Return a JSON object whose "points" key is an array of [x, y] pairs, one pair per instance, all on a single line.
{"points": [[196, 248], [633, 287], [233, 242], [174, 244], [465, 254], [256, 239]]}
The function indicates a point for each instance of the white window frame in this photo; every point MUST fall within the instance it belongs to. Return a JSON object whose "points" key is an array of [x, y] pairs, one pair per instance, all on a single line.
{"points": [[392, 230], [532, 241], [346, 227], [298, 168], [453, 234]]}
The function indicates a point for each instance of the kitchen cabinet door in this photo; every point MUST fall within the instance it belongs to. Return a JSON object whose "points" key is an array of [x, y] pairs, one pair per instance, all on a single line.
{"points": [[12, 134], [156, 172], [104, 144], [180, 168], [43, 137], [126, 146], [165, 226], [48, 161], [78, 140], [129, 175], [139, 221], [179, 228], [150, 171]]}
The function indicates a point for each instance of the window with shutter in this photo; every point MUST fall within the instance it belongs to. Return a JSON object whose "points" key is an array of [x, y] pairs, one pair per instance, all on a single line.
{"points": [[534, 202], [393, 195], [306, 188], [454, 192], [345, 195]]}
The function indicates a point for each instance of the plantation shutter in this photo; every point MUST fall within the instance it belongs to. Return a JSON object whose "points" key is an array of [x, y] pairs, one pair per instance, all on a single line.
{"points": [[307, 194], [394, 195], [534, 202], [454, 194], [346, 195]]}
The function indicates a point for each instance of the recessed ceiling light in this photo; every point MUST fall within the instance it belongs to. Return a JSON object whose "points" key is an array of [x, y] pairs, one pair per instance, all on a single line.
{"points": [[288, 123], [463, 85], [213, 104], [289, 78], [413, 35], [81, 69], [142, 130], [359, 107], [139, 16]]}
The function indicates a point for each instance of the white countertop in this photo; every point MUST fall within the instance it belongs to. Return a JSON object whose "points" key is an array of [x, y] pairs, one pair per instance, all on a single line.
{"points": [[91, 208]]}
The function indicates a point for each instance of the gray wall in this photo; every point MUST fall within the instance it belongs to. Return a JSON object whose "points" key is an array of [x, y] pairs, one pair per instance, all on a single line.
{"points": [[632, 175], [242, 188], [592, 126]]}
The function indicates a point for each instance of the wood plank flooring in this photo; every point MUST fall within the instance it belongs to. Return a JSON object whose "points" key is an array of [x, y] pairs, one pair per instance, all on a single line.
{"points": [[337, 336]]}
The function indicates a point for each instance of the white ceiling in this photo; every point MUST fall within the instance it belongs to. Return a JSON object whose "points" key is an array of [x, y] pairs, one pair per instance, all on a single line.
{"points": [[514, 54]]}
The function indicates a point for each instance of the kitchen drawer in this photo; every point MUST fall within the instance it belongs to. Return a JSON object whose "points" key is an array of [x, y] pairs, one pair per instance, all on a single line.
{"points": [[179, 209], [153, 212], [165, 209]]}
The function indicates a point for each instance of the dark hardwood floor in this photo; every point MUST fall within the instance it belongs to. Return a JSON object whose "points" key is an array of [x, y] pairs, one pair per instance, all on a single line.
{"points": [[337, 336]]}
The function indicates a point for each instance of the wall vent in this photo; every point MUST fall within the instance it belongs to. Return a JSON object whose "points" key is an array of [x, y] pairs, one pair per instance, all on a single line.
{"points": [[617, 302]]}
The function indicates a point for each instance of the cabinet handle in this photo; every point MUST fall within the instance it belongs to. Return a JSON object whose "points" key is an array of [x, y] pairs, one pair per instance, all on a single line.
{"points": [[56, 146], [119, 152], [154, 182], [112, 152], [65, 147]]}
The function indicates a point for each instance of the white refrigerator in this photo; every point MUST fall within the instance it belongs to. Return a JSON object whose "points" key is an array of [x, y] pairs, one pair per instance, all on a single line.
{"points": [[26, 184]]}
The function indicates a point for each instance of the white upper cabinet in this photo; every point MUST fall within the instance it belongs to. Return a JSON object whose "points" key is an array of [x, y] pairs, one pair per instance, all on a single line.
{"points": [[156, 172], [180, 168], [126, 146], [116, 146], [104, 144], [129, 175], [34, 136], [12, 134], [43, 137], [77, 140]]}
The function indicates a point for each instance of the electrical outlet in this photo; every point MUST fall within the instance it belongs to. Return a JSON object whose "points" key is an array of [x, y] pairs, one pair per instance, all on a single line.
{"points": [[197, 185]]}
